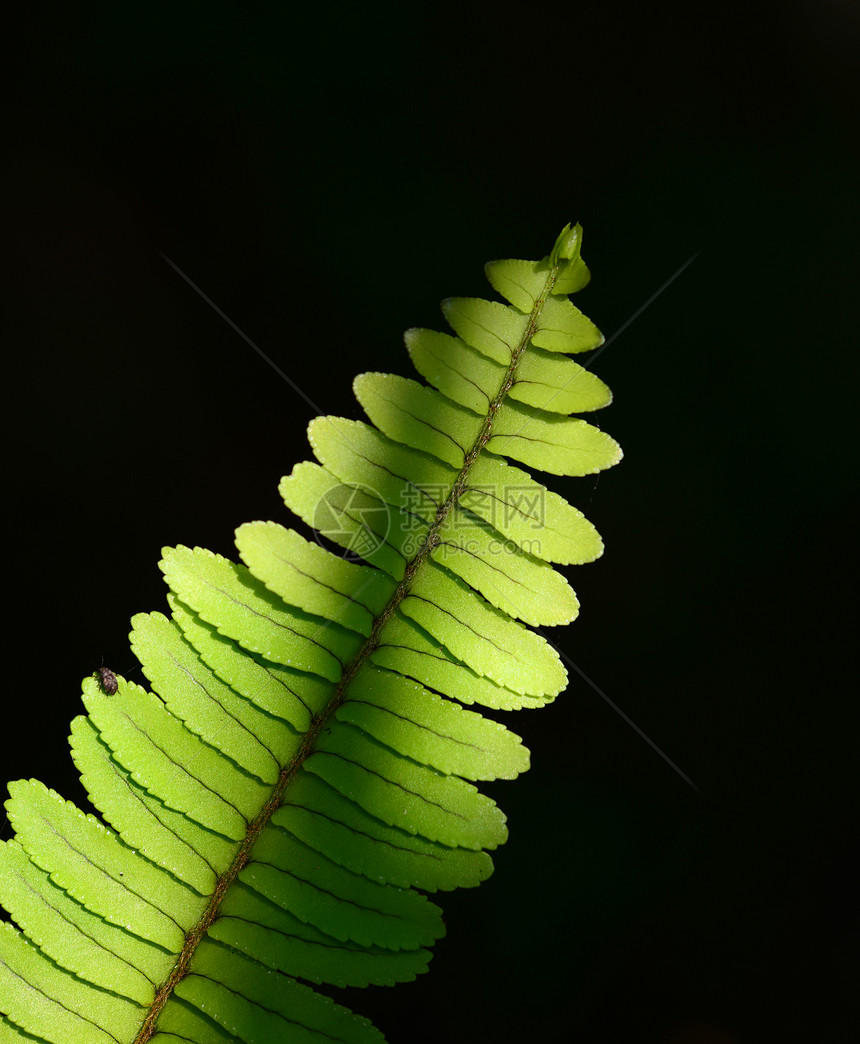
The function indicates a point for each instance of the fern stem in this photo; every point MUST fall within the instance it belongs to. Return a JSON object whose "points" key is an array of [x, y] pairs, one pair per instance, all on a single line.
{"points": [[371, 643], [432, 538]]}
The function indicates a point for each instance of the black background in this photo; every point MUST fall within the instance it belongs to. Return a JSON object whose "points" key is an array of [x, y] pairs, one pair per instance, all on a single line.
{"points": [[326, 176]]}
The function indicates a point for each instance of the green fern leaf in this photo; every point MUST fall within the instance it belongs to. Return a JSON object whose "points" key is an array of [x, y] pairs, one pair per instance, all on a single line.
{"points": [[302, 771]]}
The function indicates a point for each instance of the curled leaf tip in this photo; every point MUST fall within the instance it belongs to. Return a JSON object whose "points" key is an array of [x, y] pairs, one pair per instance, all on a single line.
{"points": [[568, 244]]}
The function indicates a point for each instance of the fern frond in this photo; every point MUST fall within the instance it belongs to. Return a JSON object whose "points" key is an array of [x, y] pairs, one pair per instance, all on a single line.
{"points": [[302, 769]]}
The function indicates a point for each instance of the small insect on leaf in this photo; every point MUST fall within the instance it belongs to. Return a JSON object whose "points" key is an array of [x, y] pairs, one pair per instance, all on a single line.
{"points": [[107, 680]]}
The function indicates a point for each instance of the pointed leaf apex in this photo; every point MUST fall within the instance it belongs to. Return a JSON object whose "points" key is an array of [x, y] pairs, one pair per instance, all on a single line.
{"points": [[568, 244]]}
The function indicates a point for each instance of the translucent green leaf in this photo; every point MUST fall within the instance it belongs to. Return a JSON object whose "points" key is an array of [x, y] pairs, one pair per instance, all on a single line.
{"points": [[353, 516], [482, 637], [168, 760], [200, 699], [411, 651], [538, 521], [523, 586], [88, 862], [341, 903], [520, 282], [572, 278], [417, 416], [312, 578], [73, 937], [402, 477], [563, 328], [408, 796], [325, 819], [406, 717], [309, 1016], [262, 930], [461, 373], [301, 768], [573, 273], [170, 838], [559, 445], [287, 698], [494, 329], [228, 597], [549, 381], [52, 1005]]}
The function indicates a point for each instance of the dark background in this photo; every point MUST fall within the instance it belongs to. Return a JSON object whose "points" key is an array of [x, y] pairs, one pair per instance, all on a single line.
{"points": [[326, 176]]}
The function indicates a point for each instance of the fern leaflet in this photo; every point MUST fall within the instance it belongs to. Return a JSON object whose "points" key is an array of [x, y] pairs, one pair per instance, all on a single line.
{"points": [[302, 770]]}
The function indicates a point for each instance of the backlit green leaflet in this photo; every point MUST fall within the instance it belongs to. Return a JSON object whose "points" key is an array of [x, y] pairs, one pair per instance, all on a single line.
{"points": [[302, 770]]}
